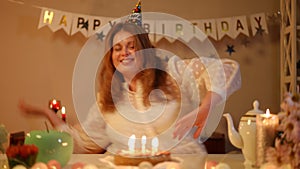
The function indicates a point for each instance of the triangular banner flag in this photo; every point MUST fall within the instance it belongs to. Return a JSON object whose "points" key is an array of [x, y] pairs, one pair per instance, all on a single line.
{"points": [[81, 24], [56, 20], [208, 26], [224, 27], [197, 32], [258, 24], [240, 26]]}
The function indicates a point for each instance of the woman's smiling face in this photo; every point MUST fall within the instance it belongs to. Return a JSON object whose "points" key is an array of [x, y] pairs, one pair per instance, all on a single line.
{"points": [[124, 56]]}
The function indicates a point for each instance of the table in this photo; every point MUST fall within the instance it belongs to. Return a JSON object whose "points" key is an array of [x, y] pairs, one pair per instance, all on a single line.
{"points": [[190, 161], [235, 161]]}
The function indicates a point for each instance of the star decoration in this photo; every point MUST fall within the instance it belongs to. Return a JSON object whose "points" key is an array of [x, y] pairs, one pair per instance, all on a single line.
{"points": [[259, 30], [100, 36], [85, 25], [230, 49], [245, 42]]}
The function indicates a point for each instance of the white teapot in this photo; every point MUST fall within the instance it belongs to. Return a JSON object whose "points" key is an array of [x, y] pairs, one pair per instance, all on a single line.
{"points": [[245, 138]]}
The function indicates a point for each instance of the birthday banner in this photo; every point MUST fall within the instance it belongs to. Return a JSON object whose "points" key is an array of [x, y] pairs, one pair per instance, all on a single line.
{"points": [[88, 25]]}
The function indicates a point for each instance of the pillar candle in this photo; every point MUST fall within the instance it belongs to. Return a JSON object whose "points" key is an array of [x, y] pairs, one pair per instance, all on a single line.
{"points": [[154, 145], [63, 113], [143, 141], [266, 125], [131, 144]]}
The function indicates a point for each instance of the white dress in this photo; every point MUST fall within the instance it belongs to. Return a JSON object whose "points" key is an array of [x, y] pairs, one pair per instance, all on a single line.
{"points": [[112, 130]]}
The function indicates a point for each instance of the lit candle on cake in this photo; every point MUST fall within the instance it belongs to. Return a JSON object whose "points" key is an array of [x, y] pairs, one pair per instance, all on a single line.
{"points": [[63, 113], [131, 144], [144, 138], [265, 134], [154, 145]]}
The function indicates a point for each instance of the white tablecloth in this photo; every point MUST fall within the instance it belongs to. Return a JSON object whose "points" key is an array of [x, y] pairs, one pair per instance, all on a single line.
{"points": [[190, 161]]}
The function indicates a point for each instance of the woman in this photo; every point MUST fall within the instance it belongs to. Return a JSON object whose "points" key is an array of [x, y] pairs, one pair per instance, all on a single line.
{"points": [[141, 94]]}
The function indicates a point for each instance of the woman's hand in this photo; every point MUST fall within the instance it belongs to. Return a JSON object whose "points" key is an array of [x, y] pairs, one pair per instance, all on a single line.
{"points": [[30, 109], [187, 122], [39, 111], [196, 118]]}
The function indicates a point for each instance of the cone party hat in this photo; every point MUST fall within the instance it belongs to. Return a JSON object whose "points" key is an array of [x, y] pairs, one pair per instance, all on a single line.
{"points": [[136, 15]]}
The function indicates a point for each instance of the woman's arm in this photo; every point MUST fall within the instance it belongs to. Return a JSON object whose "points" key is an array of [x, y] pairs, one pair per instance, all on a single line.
{"points": [[210, 100], [217, 80], [197, 117], [82, 142], [38, 111]]}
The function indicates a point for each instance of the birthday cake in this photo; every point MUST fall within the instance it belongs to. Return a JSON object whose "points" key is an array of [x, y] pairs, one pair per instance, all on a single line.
{"points": [[124, 158]]}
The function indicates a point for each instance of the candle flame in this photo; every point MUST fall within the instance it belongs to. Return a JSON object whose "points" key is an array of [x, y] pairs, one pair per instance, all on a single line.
{"points": [[131, 140], [155, 142], [63, 110], [144, 138], [249, 122], [268, 113]]}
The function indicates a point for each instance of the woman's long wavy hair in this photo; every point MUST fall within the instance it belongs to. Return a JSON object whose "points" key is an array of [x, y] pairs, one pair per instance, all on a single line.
{"points": [[152, 77]]}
